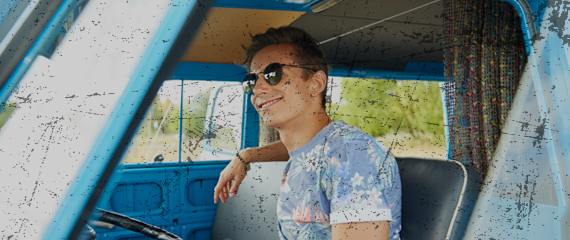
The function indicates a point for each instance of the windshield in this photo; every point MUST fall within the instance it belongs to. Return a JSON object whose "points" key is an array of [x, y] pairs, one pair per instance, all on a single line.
{"points": [[61, 107]]}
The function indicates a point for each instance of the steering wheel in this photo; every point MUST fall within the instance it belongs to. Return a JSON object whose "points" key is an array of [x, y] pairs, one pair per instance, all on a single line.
{"points": [[133, 225]]}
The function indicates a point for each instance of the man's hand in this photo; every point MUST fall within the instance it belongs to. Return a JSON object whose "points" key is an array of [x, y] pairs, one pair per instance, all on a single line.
{"points": [[234, 173], [229, 181]]}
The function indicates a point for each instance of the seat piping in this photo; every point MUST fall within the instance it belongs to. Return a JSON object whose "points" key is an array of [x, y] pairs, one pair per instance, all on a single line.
{"points": [[459, 200]]}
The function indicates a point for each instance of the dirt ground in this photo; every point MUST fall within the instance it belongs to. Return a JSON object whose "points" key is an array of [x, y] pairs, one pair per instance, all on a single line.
{"points": [[407, 146]]}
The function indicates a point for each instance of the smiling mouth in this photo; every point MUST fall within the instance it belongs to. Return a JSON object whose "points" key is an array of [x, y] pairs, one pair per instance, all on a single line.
{"points": [[268, 104]]}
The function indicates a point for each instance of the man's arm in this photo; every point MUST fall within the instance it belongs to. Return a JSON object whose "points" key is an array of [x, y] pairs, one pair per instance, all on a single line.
{"points": [[361, 230], [235, 171]]}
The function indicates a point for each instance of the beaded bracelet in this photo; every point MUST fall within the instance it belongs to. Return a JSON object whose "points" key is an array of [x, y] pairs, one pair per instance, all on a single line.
{"points": [[247, 166]]}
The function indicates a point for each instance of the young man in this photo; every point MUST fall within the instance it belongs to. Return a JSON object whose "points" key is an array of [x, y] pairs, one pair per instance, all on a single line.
{"points": [[339, 182]]}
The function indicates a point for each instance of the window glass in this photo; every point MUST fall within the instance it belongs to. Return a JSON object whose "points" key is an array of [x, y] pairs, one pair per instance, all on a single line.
{"points": [[405, 116], [522, 154], [62, 105], [7, 111], [211, 114], [157, 136], [222, 137]]}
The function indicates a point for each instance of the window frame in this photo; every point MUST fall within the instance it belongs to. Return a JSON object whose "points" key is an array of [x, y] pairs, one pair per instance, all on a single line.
{"points": [[207, 142]]}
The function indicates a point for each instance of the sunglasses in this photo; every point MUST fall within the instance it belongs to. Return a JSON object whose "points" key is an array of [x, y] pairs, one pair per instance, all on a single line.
{"points": [[272, 75]]}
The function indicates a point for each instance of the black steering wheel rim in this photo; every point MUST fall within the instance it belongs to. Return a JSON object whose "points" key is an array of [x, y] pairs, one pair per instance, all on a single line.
{"points": [[133, 225]]}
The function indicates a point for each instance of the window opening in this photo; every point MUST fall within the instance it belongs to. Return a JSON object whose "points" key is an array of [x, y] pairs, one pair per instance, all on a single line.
{"points": [[189, 121], [406, 116]]}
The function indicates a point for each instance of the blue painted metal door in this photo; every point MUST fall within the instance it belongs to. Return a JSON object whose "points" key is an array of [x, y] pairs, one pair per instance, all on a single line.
{"points": [[176, 197]]}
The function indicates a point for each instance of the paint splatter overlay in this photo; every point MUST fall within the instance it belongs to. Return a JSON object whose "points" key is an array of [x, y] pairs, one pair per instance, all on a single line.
{"points": [[72, 125]]}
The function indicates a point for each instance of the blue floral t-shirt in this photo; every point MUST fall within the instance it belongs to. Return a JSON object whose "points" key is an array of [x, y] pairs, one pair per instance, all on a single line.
{"points": [[341, 176]]}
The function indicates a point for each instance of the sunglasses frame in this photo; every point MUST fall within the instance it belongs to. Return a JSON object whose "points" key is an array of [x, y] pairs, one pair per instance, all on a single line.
{"points": [[268, 75]]}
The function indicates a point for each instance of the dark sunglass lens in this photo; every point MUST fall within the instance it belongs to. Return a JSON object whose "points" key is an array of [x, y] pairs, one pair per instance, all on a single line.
{"points": [[273, 73], [248, 83]]}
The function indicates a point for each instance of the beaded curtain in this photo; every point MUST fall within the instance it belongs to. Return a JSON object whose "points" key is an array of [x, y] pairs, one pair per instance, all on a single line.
{"points": [[484, 55]]}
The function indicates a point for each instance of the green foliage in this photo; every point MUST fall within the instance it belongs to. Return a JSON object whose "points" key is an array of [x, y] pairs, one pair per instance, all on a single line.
{"points": [[154, 117], [381, 107], [7, 111], [195, 114]]}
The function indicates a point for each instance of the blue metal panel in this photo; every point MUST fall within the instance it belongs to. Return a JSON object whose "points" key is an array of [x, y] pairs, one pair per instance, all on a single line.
{"points": [[232, 72], [98, 160], [445, 119], [530, 21], [200, 190], [180, 121], [537, 6], [285, 5], [535, 11], [209, 71], [137, 197], [196, 232], [170, 164], [199, 234], [250, 131], [424, 67], [383, 74], [186, 199]]}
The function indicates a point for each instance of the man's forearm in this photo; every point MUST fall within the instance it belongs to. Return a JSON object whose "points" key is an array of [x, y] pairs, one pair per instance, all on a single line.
{"points": [[272, 152]]}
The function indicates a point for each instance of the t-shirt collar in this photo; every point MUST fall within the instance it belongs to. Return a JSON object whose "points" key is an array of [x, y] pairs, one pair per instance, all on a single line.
{"points": [[319, 138]]}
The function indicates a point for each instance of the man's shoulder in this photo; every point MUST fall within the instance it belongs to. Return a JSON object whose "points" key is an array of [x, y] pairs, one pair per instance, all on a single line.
{"points": [[342, 132], [353, 145]]}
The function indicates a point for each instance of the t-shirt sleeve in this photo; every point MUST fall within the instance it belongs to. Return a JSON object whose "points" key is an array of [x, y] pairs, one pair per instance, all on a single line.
{"points": [[361, 180]]}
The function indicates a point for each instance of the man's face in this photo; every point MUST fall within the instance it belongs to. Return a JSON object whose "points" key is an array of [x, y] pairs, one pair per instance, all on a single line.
{"points": [[290, 99]]}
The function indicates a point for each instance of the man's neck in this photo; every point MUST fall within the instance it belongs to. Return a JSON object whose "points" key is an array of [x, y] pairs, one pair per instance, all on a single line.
{"points": [[298, 133]]}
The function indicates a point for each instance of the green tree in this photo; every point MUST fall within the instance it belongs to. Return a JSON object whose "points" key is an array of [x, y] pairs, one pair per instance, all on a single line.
{"points": [[156, 113], [195, 114], [381, 107], [7, 111]]}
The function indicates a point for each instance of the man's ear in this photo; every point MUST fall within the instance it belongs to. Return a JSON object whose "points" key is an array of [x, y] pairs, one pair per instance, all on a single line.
{"points": [[319, 82]]}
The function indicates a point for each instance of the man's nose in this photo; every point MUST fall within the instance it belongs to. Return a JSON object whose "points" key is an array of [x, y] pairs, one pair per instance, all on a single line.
{"points": [[261, 86]]}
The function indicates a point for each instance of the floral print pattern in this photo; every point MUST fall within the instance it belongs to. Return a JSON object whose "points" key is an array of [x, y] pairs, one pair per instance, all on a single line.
{"points": [[341, 176]]}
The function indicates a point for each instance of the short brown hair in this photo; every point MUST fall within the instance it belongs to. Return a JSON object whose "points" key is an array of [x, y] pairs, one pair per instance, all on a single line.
{"points": [[309, 50]]}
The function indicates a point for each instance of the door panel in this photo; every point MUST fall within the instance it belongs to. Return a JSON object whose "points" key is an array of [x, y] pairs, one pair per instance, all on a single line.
{"points": [[161, 181], [176, 197], [136, 197]]}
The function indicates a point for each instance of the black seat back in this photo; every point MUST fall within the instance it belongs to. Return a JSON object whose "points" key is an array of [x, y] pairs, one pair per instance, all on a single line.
{"points": [[436, 195], [431, 190]]}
